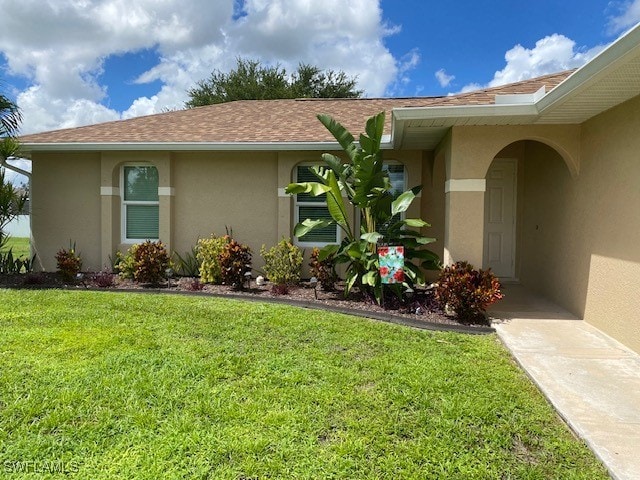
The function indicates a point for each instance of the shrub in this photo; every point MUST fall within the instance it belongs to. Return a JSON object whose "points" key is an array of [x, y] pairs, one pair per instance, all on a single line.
{"points": [[10, 264], [208, 251], [283, 263], [69, 262], [323, 270], [145, 263], [468, 292], [125, 265], [151, 263], [188, 266], [235, 261]]}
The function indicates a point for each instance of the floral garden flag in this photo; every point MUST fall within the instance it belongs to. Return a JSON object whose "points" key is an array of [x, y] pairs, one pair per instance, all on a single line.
{"points": [[391, 264]]}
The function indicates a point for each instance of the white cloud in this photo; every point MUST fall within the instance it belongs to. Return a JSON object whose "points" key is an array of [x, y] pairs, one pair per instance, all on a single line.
{"points": [[551, 54], [60, 46], [628, 15], [443, 79]]}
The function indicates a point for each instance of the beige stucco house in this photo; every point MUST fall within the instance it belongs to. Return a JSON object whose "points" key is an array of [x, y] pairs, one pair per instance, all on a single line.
{"points": [[539, 180]]}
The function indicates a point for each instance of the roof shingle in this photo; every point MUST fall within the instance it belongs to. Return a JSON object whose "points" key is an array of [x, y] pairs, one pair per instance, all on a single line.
{"points": [[269, 120]]}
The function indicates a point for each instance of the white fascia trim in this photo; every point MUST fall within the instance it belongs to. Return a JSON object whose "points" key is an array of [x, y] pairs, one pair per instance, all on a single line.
{"points": [[462, 111], [109, 191], [465, 185], [607, 58], [190, 146]]}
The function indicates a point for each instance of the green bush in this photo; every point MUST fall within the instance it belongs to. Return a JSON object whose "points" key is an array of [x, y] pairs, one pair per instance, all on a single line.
{"points": [[68, 262], [466, 291], [125, 264], [10, 264], [188, 265], [323, 270], [145, 263], [283, 263], [208, 252], [235, 261]]}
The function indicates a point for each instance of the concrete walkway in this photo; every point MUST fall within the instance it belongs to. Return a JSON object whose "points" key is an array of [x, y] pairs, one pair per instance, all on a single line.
{"points": [[592, 380]]}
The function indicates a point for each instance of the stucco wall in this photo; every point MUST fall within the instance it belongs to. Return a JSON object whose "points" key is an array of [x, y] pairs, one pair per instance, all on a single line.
{"points": [[215, 190], [580, 235], [65, 202]]}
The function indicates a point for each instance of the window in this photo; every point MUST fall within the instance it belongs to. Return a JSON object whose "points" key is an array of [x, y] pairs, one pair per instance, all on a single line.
{"points": [[308, 206], [398, 181], [140, 204]]}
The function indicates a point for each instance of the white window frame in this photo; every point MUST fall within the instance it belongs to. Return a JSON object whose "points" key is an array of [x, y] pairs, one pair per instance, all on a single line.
{"points": [[124, 203], [296, 210]]}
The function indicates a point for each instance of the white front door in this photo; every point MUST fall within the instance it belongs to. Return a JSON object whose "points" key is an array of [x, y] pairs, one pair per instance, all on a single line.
{"points": [[500, 218]]}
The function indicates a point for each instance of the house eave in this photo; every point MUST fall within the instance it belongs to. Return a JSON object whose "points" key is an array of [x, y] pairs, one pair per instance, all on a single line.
{"points": [[184, 146]]}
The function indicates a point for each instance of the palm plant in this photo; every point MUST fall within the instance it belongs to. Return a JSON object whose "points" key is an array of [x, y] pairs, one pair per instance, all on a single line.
{"points": [[366, 185], [9, 117]]}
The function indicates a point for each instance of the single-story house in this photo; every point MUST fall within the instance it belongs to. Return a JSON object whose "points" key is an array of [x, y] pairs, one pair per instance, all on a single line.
{"points": [[539, 180]]}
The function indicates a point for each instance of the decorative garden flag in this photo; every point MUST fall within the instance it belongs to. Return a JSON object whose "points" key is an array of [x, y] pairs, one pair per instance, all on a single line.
{"points": [[391, 264]]}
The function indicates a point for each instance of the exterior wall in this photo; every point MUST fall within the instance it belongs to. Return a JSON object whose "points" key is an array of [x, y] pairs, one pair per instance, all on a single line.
{"points": [[432, 203], [220, 189], [65, 196], [579, 239]]}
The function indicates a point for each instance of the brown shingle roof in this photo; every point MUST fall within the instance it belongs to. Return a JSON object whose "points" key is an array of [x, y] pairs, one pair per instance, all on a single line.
{"points": [[269, 120]]}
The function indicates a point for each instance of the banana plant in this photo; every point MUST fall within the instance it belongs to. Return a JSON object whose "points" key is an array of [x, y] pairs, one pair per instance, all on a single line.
{"points": [[364, 183]]}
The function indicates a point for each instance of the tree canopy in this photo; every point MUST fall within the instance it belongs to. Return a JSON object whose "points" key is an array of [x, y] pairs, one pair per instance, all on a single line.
{"points": [[251, 80]]}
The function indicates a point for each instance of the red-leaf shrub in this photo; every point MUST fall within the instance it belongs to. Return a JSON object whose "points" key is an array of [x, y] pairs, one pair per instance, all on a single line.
{"points": [[69, 263], [323, 270], [466, 291], [235, 261], [150, 260]]}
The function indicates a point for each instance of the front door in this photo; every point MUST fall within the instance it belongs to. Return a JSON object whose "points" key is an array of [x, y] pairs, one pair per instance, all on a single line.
{"points": [[500, 218]]}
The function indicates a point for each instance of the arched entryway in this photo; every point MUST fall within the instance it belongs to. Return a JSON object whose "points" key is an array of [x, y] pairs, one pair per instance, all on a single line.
{"points": [[526, 192]]}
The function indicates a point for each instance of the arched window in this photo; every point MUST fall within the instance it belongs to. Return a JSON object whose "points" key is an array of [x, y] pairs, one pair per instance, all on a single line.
{"points": [[140, 203]]}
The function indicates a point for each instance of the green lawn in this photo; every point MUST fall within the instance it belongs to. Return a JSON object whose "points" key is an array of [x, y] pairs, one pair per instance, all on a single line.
{"points": [[144, 386], [20, 246]]}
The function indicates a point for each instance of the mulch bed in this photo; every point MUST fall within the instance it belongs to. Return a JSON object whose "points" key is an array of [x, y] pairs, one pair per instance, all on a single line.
{"points": [[419, 311]]}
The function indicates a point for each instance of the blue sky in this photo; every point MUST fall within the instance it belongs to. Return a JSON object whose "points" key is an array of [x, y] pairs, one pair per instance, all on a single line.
{"points": [[70, 63]]}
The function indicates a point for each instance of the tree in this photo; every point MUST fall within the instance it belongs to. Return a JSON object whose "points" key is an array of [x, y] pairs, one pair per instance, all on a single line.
{"points": [[365, 184], [252, 81], [11, 201], [9, 117]]}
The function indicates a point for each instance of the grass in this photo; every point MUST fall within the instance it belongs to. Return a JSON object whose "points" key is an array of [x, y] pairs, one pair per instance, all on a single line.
{"points": [[142, 386], [20, 246]]}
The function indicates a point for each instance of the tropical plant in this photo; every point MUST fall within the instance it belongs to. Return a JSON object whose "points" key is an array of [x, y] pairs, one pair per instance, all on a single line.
{"points": [[69, 262], [208, 252], [466, 291], [323, 270], [235, 262], [188, 265], [146, 262], [366, 185], [12, 204], [9, 117], [282, 264]]}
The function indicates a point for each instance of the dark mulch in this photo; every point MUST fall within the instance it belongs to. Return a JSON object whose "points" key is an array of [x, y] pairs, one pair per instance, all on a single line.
{"points": [[420, 310]]}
